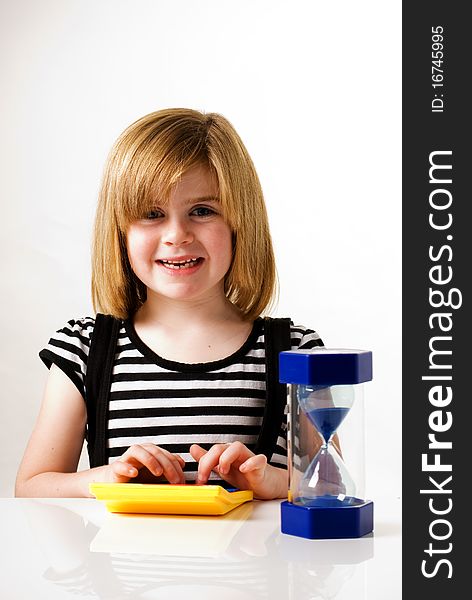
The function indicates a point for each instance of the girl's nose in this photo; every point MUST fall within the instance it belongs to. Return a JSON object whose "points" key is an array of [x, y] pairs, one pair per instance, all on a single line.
{"points": [[177, 232]]}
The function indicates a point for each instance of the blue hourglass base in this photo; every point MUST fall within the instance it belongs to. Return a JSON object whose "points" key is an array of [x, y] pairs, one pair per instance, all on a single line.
{"points": [[327, 522]]}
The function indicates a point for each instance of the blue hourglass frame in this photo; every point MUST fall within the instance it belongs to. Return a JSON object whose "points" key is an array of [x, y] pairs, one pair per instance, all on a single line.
{"points": [[323, 502]]}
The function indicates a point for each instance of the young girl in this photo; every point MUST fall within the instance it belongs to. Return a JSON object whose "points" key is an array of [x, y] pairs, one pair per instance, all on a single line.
{"points": [[182, 256]]}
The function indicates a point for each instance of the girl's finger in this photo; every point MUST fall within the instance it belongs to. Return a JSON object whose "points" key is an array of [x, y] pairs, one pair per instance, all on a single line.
{"points": [[208, 462], [169, 463], [178, 463], [171, 468], [123, 469], [156, 460], [234, 455], [156, 450], [259, 461], [196, 452], [180, 459]]}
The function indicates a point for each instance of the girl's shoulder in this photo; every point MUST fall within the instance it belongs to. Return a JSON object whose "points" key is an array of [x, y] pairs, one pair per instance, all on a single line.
{"points": [[68, 348], [304, 338], [84, 324], [78, 331]]}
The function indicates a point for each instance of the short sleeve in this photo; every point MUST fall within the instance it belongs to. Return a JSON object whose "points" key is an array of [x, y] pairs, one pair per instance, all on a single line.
{"points": [[304, 338], [68, 348]]}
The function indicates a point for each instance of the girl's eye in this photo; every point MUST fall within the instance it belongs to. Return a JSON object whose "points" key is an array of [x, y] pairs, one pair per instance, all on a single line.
{"points": [[153, 214], [203, 211]]}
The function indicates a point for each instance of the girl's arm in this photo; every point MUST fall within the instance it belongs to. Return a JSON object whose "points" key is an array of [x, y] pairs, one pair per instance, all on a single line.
{"points": [[50, 461], [49, 465]]}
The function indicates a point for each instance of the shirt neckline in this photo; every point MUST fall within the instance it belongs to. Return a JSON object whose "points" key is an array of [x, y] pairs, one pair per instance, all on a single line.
{"points": [[172, 365]]}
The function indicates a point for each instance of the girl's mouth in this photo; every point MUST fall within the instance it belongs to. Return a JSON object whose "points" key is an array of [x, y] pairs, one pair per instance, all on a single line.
{"points": [[180, 265]]}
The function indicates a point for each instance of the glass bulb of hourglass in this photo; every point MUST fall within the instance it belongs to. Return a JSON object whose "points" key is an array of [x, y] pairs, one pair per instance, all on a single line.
{"points": [[326, 481]]}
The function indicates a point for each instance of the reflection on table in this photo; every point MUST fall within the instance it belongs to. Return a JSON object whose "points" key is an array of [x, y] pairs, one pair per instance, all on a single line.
{"points": [[238, 556]]}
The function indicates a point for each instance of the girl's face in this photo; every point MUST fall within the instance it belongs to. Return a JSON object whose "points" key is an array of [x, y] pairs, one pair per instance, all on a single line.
{"points": [[183, 251]]}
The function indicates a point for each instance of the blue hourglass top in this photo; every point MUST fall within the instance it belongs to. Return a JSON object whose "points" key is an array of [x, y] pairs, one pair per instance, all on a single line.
{"points": [[325, 366]]}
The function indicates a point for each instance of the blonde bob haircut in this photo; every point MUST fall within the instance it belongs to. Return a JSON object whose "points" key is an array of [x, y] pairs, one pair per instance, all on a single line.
{"points": [[146, 161]]}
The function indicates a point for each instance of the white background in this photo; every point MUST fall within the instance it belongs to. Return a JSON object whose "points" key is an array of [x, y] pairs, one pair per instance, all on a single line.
{"points": [[312, 87]]}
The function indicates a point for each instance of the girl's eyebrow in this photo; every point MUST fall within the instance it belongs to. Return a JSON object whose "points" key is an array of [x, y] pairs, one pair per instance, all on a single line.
{"points": [[202, 199], [199, 199]]}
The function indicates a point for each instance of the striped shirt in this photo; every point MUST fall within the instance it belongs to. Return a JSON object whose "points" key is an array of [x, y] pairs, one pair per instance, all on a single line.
{"points": [[172, 404]]}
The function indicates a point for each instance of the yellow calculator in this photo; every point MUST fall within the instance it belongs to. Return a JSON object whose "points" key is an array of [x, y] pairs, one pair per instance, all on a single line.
{"points": [[169, 499]]}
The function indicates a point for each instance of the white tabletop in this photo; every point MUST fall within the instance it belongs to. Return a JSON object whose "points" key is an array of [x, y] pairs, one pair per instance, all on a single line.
{"points": [[70, 548]]}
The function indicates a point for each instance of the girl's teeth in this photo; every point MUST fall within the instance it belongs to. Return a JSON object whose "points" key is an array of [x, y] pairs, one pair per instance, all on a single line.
{"points": [[182, 264]]}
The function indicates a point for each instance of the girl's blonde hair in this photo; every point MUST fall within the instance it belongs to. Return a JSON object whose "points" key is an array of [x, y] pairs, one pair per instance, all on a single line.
{"points": [[149, 158]]}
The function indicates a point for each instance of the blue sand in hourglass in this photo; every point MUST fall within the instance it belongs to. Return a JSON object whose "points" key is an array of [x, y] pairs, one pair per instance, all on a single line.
{"points": [[327, 420]]}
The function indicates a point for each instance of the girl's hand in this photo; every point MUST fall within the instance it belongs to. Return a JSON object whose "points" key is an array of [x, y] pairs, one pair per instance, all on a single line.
{"points": [[145, 463], [240, 467]]}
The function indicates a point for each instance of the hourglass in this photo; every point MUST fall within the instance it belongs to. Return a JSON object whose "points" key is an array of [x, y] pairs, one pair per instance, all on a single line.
{"points": [[325, 499]]}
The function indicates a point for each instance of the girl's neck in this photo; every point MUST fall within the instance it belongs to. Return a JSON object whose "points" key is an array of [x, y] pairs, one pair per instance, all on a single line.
{"points": [[195, 314], [206, 330]]}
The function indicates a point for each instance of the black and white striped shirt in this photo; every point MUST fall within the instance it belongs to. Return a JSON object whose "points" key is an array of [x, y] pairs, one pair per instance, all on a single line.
{"points": [[172, 404]]}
